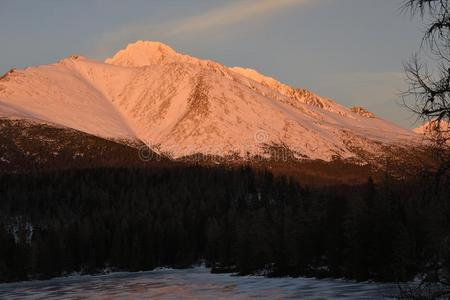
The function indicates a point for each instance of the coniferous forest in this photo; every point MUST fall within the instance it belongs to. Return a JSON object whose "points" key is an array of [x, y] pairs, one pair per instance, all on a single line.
{"points": [[235, 219]]}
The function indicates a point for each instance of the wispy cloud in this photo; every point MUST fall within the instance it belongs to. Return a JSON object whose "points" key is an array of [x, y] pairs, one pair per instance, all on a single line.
{"points": [[231, 14], [205, 22]]}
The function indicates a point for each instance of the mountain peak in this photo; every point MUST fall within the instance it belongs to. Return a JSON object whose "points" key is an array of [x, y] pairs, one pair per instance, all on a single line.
{"points": [[150, 46], [142, 53], [74, 57], [362, 112], [435, 129]]}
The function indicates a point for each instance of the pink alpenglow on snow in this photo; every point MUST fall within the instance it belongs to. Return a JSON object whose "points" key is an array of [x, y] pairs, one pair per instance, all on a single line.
{"points": [[181, 105]]}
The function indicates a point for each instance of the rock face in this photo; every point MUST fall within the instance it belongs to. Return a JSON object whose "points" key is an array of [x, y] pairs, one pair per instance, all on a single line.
{"points": [[180, 105], [362, 112]]}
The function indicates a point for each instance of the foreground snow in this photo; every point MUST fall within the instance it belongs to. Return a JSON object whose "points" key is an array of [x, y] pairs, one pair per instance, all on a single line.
{"points": [[196, 283]]}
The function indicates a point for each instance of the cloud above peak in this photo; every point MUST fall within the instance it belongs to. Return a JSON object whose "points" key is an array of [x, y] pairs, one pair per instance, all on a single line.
{"points": [[230, 14]]}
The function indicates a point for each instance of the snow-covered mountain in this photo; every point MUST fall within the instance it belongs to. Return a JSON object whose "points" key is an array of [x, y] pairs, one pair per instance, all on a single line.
{"points": [[180, 105], [435, 131]]}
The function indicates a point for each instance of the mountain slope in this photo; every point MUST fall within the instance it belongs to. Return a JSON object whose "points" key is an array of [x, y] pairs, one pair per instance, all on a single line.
{"points": [[180, 106], [434, 131], [60, 94], [26, 146]]}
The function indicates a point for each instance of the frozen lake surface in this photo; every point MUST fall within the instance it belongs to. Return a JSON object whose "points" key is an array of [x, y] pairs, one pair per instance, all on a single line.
{"points": [[195, 283]]}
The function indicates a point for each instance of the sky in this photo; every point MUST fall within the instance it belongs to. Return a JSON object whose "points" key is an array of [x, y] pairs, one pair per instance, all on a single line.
{"points": [[352, 51]]}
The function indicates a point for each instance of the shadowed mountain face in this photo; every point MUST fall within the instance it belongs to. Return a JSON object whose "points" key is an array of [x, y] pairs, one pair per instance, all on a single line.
{"points": [[27, 146], [180, 106]]}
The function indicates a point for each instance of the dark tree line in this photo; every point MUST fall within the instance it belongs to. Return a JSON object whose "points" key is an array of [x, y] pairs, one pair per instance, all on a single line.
{"points": [[236, 220]]}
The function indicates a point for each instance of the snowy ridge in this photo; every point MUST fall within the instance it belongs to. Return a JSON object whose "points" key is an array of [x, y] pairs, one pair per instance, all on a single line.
{"points": [[433, 126], [181, 105], [434, 131]]}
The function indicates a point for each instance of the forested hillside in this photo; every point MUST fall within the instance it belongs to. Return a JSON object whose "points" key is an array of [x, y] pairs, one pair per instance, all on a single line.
{"points": [[238, 220]]}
